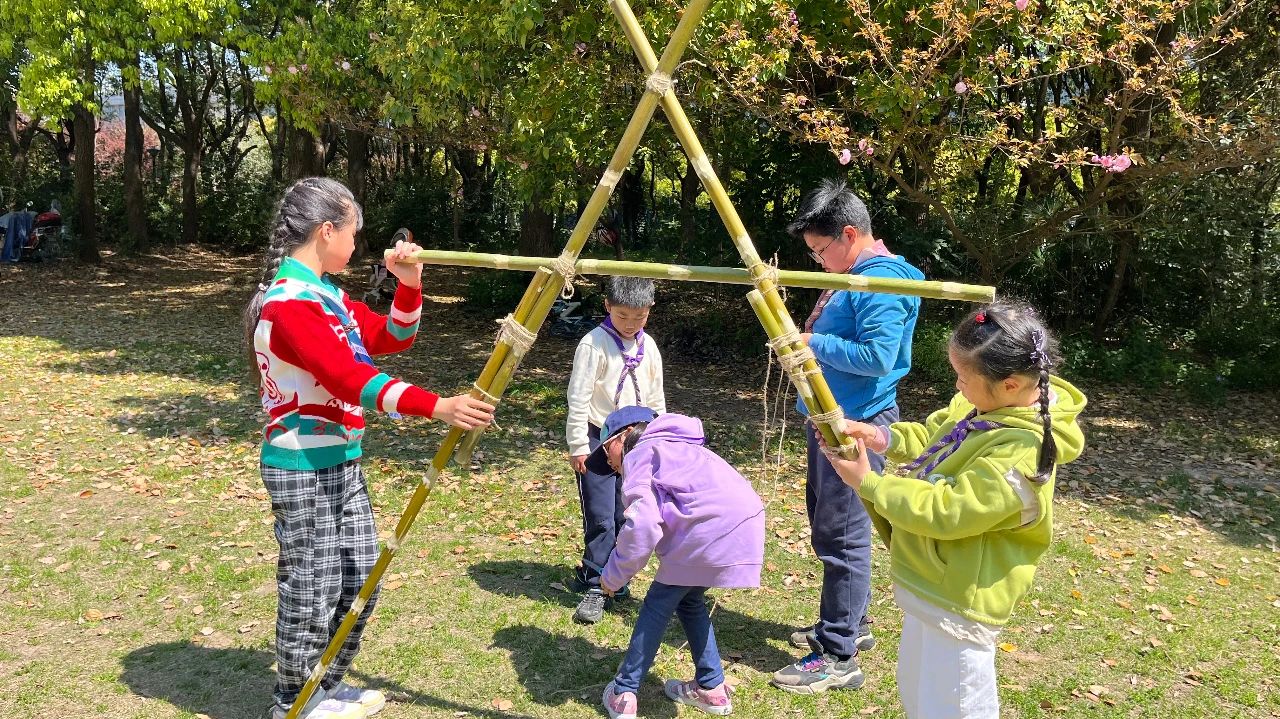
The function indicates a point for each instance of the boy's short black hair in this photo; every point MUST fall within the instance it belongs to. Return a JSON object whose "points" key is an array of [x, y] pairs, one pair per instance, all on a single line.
{"points": [[629, 291], [828, 210]]}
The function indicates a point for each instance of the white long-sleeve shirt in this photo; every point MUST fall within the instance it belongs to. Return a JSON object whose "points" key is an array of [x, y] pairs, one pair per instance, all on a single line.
{"points": [[597, 367]]}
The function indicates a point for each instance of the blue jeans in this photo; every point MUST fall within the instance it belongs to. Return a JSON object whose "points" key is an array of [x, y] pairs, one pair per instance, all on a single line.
{"points": [[841, 537], [663, 600]]}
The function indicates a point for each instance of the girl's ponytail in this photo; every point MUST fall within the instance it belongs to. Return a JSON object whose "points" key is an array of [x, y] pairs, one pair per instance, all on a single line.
{"points": [[307, 204]]}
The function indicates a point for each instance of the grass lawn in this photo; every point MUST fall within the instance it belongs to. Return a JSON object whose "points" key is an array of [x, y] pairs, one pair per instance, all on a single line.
{"points": [[137, 558]]}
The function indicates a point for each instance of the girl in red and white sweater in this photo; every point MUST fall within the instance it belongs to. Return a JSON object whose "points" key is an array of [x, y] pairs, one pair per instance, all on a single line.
{"points": [[311, 347]]}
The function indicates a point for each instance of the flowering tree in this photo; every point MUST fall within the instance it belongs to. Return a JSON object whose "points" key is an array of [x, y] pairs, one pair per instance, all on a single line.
{"points": [[1015, 123]]}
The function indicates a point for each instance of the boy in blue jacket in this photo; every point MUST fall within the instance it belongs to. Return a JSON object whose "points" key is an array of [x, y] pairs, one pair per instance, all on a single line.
{"points": [[862, 340]]}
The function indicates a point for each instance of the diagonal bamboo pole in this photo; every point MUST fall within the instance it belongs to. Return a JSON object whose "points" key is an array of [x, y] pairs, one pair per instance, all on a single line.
{"points": [[824, 410], [529, 315], [726, 275]]}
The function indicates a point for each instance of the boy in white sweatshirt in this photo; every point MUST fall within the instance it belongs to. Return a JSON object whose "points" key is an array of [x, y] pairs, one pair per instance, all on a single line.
{"points": [[616, 365]]}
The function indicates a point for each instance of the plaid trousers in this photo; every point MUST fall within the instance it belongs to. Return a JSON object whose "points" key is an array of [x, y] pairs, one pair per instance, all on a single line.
{"points": [[328, 546]]}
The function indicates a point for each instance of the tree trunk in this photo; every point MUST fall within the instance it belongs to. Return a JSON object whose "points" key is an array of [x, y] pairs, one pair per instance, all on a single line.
{"points": [[306, 154], [690, 189], [190, 188], [537, 230], [134, 200], [83, 126], [357, 177], [1126, 247]]}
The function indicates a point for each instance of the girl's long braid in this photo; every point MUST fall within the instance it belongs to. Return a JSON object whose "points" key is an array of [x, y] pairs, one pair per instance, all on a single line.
{"points": [[1048, 446]]}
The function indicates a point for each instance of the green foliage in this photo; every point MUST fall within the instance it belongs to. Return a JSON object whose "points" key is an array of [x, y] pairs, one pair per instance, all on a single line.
{"points": [[494, 290]]}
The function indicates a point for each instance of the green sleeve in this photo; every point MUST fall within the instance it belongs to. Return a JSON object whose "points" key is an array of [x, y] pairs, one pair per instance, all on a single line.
{"points": [[908, 439], [977, 500]]}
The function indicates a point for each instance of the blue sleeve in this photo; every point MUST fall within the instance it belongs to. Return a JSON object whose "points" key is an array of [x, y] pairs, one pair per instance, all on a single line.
{"points": [[880, 322]]}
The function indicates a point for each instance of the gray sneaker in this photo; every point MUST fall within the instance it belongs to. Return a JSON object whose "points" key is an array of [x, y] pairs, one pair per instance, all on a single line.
{"points": [[866, 640], [591, 609], [817, 672]]}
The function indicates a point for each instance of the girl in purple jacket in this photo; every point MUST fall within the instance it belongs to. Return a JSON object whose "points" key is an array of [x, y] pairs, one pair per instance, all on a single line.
{"points": [[705, 523]]}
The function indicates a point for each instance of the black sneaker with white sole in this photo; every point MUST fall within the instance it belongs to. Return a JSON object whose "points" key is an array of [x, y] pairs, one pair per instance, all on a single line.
{"points": [[591, 609]]}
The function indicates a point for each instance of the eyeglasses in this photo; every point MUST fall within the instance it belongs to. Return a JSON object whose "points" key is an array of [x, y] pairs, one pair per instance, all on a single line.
{"points": [[817, 255]]}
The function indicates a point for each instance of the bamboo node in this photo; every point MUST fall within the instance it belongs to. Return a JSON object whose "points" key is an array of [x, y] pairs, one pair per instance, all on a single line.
{"points": [[566, 266], [318, 673], [502, 262], [610, 178], [659, 83], [429, 477], [515, 335], [393, 543], [952, 289], [702, 166], [357, 607], [678, 272]]}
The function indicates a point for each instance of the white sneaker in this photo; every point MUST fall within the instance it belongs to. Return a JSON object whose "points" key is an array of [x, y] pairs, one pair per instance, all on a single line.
{"points": [[371, 699], [327, 709]]}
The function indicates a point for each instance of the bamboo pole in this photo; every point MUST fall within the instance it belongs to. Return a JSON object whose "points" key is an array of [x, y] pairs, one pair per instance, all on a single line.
{"points": [[530, 314], [726, 275], [825, 411]]}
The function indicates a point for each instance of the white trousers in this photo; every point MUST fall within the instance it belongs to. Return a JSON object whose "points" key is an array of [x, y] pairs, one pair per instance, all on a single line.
{"points": [[941, 677]]}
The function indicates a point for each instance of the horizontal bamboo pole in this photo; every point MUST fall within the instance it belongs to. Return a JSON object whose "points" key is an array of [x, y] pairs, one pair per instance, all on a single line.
{"points": [[727, 275]]}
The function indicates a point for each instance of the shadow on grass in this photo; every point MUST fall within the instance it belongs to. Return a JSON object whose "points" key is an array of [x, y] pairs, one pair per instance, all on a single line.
{"points": [[237, 683], [741, 637], [547, 663]]}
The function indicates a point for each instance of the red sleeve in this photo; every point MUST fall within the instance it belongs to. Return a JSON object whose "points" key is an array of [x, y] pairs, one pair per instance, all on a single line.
{"points": [[386, 334], [303, 335]]}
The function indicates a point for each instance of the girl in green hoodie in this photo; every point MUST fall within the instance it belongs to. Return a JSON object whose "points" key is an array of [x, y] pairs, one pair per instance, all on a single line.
{"points": [[969, 513]]}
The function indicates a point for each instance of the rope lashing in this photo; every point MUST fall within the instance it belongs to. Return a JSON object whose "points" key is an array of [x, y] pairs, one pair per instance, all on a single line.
{"points": [[659, 83], [515, 334], [566, 266]]}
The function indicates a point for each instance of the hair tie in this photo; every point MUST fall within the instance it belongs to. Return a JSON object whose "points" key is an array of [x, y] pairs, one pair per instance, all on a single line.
{"points": [[980, 317], [1039, 355], [262, 287]]}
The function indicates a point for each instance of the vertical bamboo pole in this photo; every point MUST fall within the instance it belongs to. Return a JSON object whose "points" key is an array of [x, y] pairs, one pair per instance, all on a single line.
{"points": [[535, 304], [824, 401]]}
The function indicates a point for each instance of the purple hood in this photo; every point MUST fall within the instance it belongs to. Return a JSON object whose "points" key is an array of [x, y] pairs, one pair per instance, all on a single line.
{"points": [[690, 507]]}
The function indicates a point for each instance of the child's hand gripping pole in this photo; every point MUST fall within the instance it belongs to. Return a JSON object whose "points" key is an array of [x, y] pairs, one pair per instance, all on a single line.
{"points": [[800, 364]]}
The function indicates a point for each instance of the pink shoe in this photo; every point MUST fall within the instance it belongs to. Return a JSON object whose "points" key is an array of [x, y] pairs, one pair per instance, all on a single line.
{"points": [[619, 706], [712, 701]]}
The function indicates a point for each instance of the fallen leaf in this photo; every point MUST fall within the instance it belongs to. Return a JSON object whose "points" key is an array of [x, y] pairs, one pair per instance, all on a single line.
{"points": [[502, 705], [1199, 573], [1008, 646], [197, 609], [93, 615], [1222, 582], [206, 631]]}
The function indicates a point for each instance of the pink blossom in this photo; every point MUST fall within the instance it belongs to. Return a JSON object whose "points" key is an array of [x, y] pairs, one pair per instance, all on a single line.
{"points": [[961, 87], [1021, 4], [267, 69], [870, 151], [580, 48], [791, 18], [346, 65], [293, 70], [305, 68], [524, 165], [1113, 163], [845, 156], [863, 144]]}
